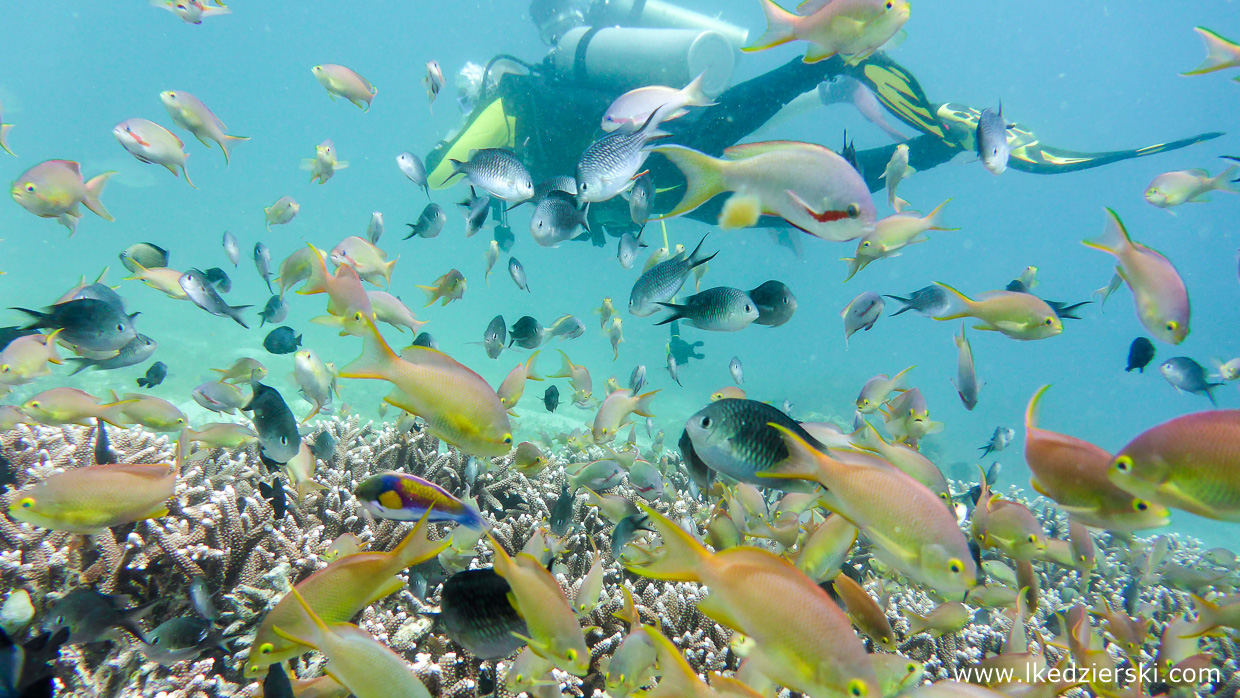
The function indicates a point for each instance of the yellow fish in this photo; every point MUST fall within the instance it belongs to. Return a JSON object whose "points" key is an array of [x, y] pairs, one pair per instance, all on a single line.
{"points": [[1021, 316], [853, 29]]}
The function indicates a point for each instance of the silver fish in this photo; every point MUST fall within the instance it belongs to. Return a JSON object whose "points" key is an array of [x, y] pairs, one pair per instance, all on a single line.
{"points": [[626, 249], [413, 168], [494, 337], [673, 369], [843, 89], [179, 639], [374, 231], [861, 313], [966, 376], [662, 282], [637, 379], [430, 222], [517, 272], [433, 81], [274, 311], [262, 261], [232, 249], [1001, 439], [563, 183], [1186, 375], [499, 172], [204, 295], [719, 309], [200, 597], [556, 219], [219, 279], [477, 208], [609, 165], [566, 327], [148, 255], [224, 398], [101, 292], [992, 140], [737, 370], [641, 198], [89, 615], [138, 349]]}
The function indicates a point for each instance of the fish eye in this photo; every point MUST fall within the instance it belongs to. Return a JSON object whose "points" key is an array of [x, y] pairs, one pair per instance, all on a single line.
{"points": [[1140, 505], [26, 502], [955, 566], [1172, 326], [853, 210], [266, 648], [155, 641], [857, 688], [34, 404], [1032, 538], [890, 5], [1049, 321], [1123, 464], [507, 439], [706, 422], [866, 244], [571, 654], [30, 188], [120, 327], [748, 308], [910, 668]]}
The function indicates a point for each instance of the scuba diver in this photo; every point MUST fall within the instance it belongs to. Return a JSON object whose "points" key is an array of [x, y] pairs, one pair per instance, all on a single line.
{"points": [[549, 112]]}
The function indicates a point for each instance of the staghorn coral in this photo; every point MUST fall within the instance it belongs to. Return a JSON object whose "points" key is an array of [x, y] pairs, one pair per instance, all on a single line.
{"points": [[220, 528]]}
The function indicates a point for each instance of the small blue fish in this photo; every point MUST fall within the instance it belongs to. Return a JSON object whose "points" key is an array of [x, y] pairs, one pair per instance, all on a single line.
{"points": [[406, 497]]}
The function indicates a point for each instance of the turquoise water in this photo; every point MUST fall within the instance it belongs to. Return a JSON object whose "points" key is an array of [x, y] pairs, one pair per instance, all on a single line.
{"points": [[1089, 77]]}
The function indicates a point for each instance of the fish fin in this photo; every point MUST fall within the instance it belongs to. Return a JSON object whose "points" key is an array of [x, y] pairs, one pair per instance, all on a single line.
{"points": [[702, 174], [683, 557], [820, 52], [1220, 53], [1031, 411], [321, 628], [677, 313], [94, 190], [960, 298], [802, 462], [695, 94], [642, 406], [416, 547], [934, 221], [740, 211], [224, 142], [377, 357], [1114, 237], [4, 135]]}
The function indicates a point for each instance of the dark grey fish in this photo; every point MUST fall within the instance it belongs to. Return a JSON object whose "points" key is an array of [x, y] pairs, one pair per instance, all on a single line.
{"points": [[102, 292], [323, 446], [200, 598], [563, 183], [609, 165], [551, 398], [179, 639], [527, 333], [992, 140], [414, 169], [475, 612], [477, 208], [86, 323], [929, 301], [562, 511], [275, 496], [138, 350], [103, 450], [89, 615], [499, 172], [1186, 375], [282, 340], [276, 683], [232, 249], [218, 279], [626, 531], [155, 375], [556, 219], [719, 309], [27, 670], [430, 222], [1064, 310], [8, 334], [734, 437], [517, 271], [699, 473], [849, 150], [627, 247], [424, 339], [641, 198], [274, 311], [1140, 354], [144, 254], [775, 302], [7, 478], [661, 283], [637, 379], [992, 478], [494, 336], [262, 261], [274, 423], [203, 294]]}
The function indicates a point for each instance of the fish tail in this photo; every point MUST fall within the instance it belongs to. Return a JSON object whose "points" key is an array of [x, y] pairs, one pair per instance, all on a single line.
{"points": [[416, 547], [316, 630], [703, 175], [432, 294], [1032, 410], [934, 221], [225, 141], [39, 318], [1114, 236], [683, 559], [114, 413], [642, 406], [780, 27], [377, 357], [961, 298], [80, 364], [531, 370], [566, 367], [916, 623], [856, 264], [1223, 182], [803, 461], [678, 312], [1220, 53], [4, 135], [695, 95], [94, 190], [694, 260], [317, 282], [900, 380], [50, 342]]}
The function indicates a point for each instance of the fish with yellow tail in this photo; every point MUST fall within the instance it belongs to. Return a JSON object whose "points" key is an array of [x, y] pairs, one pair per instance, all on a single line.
{"points": [[56, 189], [852, 29], [911, 529], [188, 112], [1020, 316], [555, 633], [616, 410], [807, 185], [1006, 526], [449, 287], [892, 234], [337, 593], [340, 81], [1073, 473], [457, 404], [513, 385], [802, 639], [1159, 292], [355, 659], [93, 498], [1220, 53]]}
